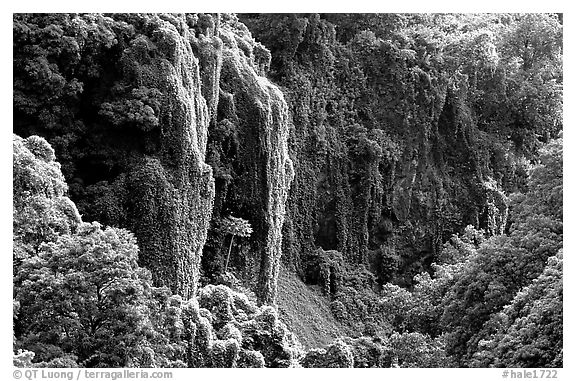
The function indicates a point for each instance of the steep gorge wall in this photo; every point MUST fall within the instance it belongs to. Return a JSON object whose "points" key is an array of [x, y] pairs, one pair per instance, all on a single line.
{"points": [[166, 123], [388, 161], [255, 177], [172, 191], [139, 109]]}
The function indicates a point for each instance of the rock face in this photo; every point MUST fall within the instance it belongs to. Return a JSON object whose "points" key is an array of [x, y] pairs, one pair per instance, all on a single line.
{"points": [[388, 159], [174, 190], [163, 123], [171, 124], [261, 171]]}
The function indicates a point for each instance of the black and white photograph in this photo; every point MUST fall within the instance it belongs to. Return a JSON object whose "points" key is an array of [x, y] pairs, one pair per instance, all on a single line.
{"points": [[286, 190]]}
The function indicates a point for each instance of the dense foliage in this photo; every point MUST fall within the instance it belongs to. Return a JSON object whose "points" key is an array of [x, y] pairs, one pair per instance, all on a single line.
{"points": [[81, 299], [409, 127], [408, 167], [474, 295]]}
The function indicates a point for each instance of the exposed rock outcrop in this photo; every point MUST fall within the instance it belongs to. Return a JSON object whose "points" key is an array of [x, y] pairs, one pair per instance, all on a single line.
{"points": [[172, 191], [256, 110]]}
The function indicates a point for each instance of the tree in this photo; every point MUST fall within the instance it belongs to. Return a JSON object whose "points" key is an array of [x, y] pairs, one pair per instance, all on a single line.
{"points": [[236, 227], [95, 86], [537, 215], [502, 265], [85, 295], [531, 77], [58, 58], [41, 209], [415, 350], [529, 331]]}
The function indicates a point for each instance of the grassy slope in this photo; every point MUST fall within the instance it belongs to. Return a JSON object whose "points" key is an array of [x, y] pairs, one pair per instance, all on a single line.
{"points": [[306, 312]]}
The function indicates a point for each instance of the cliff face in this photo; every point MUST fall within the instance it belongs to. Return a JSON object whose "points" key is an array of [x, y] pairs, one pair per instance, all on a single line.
{"points": [[389, 160], [171, 192], [174, 191], [376, 144], [144, 111], [256, 175]]}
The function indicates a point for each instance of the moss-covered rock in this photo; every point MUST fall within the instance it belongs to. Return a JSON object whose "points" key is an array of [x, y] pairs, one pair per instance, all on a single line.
{"points": [[257, 171]]}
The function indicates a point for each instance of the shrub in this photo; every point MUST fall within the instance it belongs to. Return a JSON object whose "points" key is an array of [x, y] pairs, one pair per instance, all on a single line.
{"points": [[336, 355]]}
